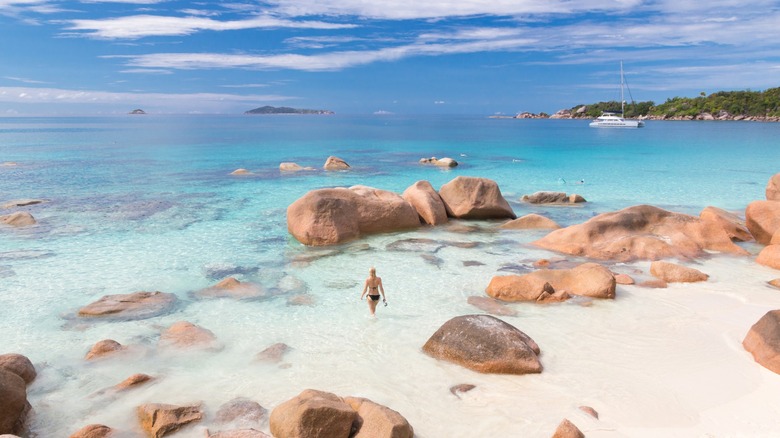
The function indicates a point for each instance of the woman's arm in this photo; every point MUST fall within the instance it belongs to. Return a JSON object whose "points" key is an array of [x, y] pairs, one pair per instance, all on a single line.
{"points": [[381, 289]]}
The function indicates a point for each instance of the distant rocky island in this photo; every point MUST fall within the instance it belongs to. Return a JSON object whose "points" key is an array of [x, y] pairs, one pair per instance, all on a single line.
{"points": [[286, 110], [761, 106], [137, 111]]}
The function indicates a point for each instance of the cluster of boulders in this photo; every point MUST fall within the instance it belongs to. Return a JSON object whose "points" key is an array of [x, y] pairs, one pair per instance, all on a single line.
{"points": [[19, 218], [441, 162], [332, 216]]}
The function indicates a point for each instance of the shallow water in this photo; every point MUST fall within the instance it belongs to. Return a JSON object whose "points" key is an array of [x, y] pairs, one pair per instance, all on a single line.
{"points": [[146, 203]]}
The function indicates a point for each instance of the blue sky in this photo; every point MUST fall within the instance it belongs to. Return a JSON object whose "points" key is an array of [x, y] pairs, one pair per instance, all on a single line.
{"points": [[367, 56]]}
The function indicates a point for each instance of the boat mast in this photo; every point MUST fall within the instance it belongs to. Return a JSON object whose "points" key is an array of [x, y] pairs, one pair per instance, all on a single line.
{"points": [[622, 100]]}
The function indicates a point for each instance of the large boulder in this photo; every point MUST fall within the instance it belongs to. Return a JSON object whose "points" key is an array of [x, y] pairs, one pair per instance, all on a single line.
{"points": [[640, 232], [335, 163], [19, 365], [313, 414], [377, 421], [93, 431], [530, 222], [241, 411], [770, 256], [732, 224], [763, 341], [773, 188], [159, 419], [567, 430], [475, 198], [422, 196], [18, 219], [674, 273], [137, 305], [485, 344], [763, 220], [13, 403], [186, 335], [331, 216], [588, 279]]}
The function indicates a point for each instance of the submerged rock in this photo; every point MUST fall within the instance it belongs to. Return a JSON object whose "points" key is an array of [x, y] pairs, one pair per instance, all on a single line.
{"points": [[186, 335], [18, 219], [640, 232], [232, 288], [240, 172], [491, 306], [440, 162], [273, 354], [133, 381], [475, 198], [21, 203], [137, 305], [456, 390], [673, 273], [484, 344], [331, 216], [159, 419], [530, 222], [104, 348], [241, 411], [93, 431], [763, 341]]}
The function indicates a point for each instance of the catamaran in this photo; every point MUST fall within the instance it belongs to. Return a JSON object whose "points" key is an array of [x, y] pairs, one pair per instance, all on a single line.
{"points": [[612, 120]]}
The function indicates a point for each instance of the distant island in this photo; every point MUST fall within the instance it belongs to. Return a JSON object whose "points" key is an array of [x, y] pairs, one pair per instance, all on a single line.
{"points": [[137, 111], [763, 106], [286, 110]]}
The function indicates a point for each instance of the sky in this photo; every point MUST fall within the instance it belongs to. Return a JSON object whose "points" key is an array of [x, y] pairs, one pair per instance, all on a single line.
{"points": [[100, 57]]}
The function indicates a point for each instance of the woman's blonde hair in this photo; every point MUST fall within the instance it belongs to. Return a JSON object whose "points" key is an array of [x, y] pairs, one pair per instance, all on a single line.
{"points": [[372, 270]]}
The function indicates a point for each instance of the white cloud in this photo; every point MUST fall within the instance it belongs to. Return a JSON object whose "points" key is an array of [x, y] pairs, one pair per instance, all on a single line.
{"points": [[57, 95], [139, 26], [24, 80]]}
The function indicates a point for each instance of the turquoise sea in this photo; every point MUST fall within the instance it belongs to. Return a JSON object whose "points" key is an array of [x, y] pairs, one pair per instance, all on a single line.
{"points": [[147, 203]]}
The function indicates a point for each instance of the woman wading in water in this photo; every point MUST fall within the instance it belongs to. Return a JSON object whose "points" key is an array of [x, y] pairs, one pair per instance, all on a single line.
{"points": [[373, 286]]}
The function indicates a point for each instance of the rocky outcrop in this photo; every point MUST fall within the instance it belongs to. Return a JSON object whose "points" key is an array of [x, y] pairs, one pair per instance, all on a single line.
{"points": [[377, 421], [312, 414], [769, 256], [640, 232], [290, 167], [763, 341], [567, 430], [21, 203], [422, 196], [13, 402], [531, 222], [732, 224], [555, 198], [443, 162], [763, 220], [475, 198], [589, 279], [232, 288], [104, 348], [137, 305], [19, 365], [185, 335], [335, 163], [674, 273], [93, 431], [331, 216], [773, 188], [18, 219], [157, 419], [484, 344]]}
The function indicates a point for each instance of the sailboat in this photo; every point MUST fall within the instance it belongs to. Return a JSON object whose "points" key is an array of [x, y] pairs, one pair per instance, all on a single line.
{"points": [[612, 120]]}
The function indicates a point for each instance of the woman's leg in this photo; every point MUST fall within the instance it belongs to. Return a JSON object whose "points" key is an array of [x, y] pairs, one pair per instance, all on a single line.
{"points": [[371, 305]]}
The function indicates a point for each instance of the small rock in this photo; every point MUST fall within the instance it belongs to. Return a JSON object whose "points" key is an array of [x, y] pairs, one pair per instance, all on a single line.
{"points": [[160, 419], [775, 282], [673, 273], [623, 279], [567, 430], [21, 203], [133, 381], [300, 300], [242, 411], [531, 221], [769, 256], [653, 284], [186, 335], [491, 306], [232, 288], [590, 411], [240, 172], [546, 198], [456, 390], [290, 167], [273, 354], [93, 431], [335, 163], [103, 348], [763, 341]]}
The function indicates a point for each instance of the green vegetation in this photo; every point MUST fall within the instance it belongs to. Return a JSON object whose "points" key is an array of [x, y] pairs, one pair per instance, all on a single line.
{"points": [[734, 103], [285, 110]]}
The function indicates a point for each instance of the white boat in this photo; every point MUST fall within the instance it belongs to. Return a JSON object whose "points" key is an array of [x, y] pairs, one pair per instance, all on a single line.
{"points": [[612, 120]]}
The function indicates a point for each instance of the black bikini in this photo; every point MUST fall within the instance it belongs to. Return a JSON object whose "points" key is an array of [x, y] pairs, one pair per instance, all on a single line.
{"points": [[373, 297]]}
